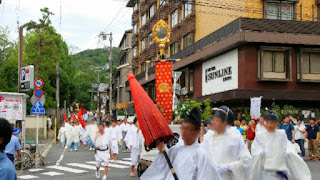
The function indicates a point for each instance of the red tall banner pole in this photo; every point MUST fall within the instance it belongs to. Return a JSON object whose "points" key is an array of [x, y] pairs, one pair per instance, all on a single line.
{"points": [[164, 88]]}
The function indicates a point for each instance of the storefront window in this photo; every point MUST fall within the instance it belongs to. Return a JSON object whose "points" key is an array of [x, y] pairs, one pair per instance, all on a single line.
{"points": [[188, 40], [280, 10], [186, 79]]}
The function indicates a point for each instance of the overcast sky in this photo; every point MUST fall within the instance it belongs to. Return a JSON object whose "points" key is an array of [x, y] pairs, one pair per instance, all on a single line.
{"points": [[81, 20]]}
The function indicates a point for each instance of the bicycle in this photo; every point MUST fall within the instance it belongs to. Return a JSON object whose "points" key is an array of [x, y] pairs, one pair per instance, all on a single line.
{"points": [[22, 162], [34, 154]]}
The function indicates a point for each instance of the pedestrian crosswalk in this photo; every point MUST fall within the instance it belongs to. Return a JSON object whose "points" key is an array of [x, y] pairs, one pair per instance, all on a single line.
{"points": [[76, 168]]}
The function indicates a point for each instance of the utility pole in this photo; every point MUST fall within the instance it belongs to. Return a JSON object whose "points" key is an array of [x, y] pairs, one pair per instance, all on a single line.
{"points": [[57, 94], [104, 37], [110, 61], [20, 64]]}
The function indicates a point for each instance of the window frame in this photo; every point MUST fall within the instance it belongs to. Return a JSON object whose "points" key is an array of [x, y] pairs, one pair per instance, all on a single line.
{"points": [[300, 74], [135, 28], [135, 51], [184, 38], [178, 48], [288, 63], [154, 10], [189, 11], [143, 44], [162, 4], [178, 17], [143, 16], [279, 16], [135, 7], [188, 71]]}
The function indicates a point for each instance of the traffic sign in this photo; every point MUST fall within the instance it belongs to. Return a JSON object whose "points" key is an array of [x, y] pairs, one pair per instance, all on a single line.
{"points": [[38, 93], [34, 99], [37, 108], [26, 78], [38, 83]]}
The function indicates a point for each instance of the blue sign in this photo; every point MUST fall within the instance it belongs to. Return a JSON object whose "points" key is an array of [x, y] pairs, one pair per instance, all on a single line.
{"points": [[37, 108], [38, 93]]}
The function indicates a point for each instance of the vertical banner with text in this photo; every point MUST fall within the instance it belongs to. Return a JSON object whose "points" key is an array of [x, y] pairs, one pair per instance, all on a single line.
{"points": [[164, 88], [255, 107]]}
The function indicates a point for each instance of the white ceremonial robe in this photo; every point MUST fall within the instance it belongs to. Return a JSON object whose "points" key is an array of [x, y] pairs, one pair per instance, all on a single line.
{"points": [[229, 149], [62, 135], [73, 134], [190, 163], [68, 128], [279, 155], [91, 131], [102, 142], [115, 136], [134, 140]]}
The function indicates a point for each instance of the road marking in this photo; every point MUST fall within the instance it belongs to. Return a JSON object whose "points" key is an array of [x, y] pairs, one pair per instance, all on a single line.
{"points": [[124, 162], [51, 173], [28, 177], [84, 166], [127, 159], [61, 157], [77, 171], [35, 170], [111, 165]]}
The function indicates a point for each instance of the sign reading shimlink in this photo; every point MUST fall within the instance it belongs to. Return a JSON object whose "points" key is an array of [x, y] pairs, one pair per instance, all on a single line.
{"points": [[220, 74]]}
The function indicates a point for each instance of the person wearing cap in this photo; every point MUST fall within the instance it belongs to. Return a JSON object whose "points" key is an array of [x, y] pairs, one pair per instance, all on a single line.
{"points": [[274, 156], [226, 147], [134, 141], [189, 160], [91, 131], [62, 135], [13, 146], [102, 143], [116, 136]]}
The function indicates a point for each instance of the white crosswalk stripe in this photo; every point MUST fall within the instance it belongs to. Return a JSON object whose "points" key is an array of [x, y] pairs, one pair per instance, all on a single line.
{"points": [[84, 166], [124, 162], [52, 173], [28, 177], [111, 165], [127, 159], [67, 169], [35, 170]]}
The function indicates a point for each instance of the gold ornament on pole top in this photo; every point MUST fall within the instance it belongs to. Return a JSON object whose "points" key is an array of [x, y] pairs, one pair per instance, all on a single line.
{"points": [[161, 34]]}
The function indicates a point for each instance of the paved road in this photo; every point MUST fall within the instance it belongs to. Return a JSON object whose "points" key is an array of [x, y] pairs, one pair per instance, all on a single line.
{"points": [[76, 165], [81, 165]]}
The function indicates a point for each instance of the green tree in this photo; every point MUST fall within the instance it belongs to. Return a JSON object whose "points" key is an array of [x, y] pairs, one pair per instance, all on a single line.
{"points": [[207, 111]]}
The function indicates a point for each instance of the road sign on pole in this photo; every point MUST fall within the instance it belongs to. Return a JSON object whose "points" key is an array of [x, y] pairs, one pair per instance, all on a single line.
{"points": [[38, 83], [37, 108], [26, 78], [38, 93]]}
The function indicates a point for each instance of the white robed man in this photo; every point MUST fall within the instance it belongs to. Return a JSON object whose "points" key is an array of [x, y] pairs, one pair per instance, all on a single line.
{"points": [[116, 136], [62, 135], [274, 157], [261, 126], [74, 136], [68, 126], [227, 148], [188, 159], [91, 131], [134, 142], [125, 126], [102, 144]]}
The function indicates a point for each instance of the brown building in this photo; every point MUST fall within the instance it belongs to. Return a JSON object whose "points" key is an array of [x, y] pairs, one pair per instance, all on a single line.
{"points": [[232, 50]]}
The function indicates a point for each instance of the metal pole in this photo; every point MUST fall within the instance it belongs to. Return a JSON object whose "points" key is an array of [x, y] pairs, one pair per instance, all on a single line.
{"points": [[57, 93], [174, 89], [37, 140], [55, 131], [110, 61]]}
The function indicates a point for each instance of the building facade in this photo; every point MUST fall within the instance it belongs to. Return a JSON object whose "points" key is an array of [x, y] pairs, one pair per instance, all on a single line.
{"points": [[232, 50], [124, 58]]}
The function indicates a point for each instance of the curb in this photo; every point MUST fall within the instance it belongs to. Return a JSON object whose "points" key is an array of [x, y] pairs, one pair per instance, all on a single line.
{"points": [[46, 147]]}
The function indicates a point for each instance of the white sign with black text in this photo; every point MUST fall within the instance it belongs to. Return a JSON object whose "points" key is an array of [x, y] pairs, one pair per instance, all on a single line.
{"points": [[220, 74]]}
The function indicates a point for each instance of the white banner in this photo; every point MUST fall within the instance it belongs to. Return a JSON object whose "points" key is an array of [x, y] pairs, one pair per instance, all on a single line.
{"points": [[11, 107], [255, 107]]}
